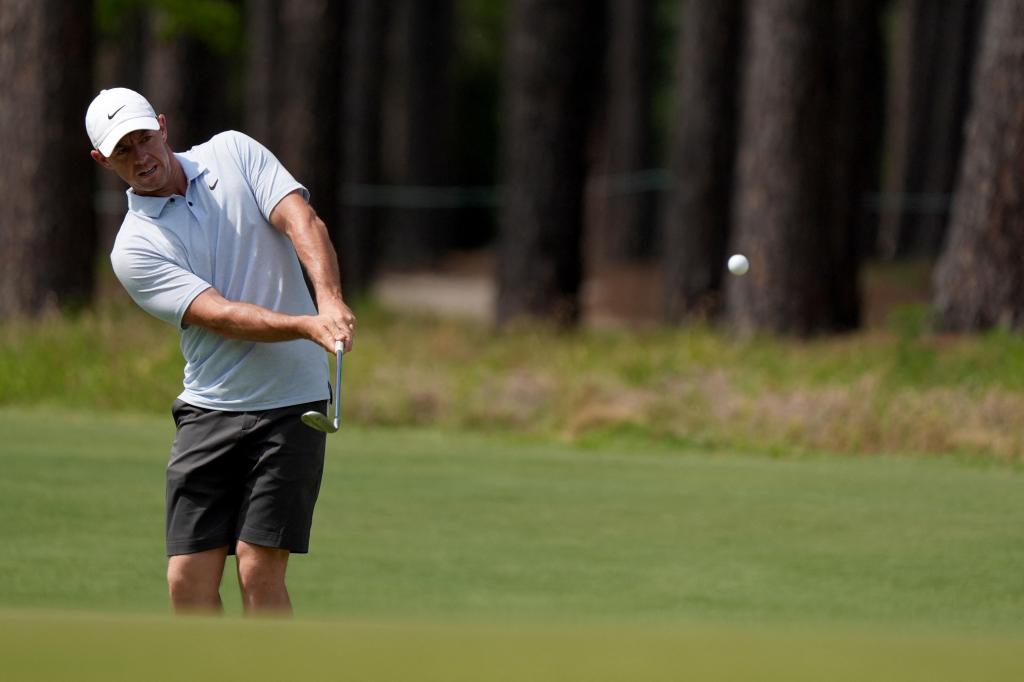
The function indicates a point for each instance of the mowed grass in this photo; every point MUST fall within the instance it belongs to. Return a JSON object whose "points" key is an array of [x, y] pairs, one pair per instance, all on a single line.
{"points": [[419, 524], [458, 557]]}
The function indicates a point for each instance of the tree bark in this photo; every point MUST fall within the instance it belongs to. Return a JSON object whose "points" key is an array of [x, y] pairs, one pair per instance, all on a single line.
{"points": [[620, 215], [48, 228], [307, 114], [979, 280], [935, 50], [698, 214], [797, 169], [857, 135], [184, 79], [120, 58], [261, 40], [360, 135], [416, 125], [549, 89]]}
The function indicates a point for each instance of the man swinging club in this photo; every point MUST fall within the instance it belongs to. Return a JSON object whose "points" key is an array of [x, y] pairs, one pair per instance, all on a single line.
{"points": [[214, 243]]}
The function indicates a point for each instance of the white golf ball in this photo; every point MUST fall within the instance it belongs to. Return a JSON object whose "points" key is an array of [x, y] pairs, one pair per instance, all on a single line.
{"points": [[738, 264]]}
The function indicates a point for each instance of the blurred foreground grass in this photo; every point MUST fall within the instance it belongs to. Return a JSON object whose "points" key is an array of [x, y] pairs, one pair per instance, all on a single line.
{"points": [[899, 389], [49, 646]]}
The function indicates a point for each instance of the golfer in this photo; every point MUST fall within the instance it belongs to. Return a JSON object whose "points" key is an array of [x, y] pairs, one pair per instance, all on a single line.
{"points": [[214, 242]]}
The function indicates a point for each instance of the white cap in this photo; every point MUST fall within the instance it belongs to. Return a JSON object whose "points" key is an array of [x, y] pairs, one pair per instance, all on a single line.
{"points": [[114, 113]]}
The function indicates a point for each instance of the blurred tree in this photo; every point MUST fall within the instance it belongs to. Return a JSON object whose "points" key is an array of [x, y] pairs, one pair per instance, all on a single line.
{"points": [[799, 166], [306, 93], [261, 47], [479, 46], [620, 214], [182, 56], [979, 280], [934, 49], [122, 29], [417, 95], [858, 130], [697, 216], [550, 82], [360, 139], [185, 79], [48, 229]]}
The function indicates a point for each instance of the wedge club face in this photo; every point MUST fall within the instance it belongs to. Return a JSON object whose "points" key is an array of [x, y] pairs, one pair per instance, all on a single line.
{"points": [[320, 422], [317, 421]]}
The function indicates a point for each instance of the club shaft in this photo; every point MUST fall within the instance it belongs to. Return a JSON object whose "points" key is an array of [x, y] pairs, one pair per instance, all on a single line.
{"points": [[337, 387]]}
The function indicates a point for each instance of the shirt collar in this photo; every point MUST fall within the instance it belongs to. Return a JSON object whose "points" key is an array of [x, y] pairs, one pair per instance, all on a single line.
{"points": [[152, 207]]}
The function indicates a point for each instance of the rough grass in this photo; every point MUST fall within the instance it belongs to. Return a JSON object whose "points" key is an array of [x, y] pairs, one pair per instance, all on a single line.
{"points": [[899, 389]]}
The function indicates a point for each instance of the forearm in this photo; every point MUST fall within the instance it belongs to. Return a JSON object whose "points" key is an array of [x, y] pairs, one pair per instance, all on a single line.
{"points": [[248, 322], [295, 218], [318, 257]]}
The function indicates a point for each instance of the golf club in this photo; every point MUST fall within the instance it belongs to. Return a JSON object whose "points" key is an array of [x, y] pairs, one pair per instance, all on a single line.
{"points": [[320, 422]]}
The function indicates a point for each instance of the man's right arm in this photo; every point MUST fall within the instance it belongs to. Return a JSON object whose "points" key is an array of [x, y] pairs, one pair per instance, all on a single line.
{"points": [[245, 321]]}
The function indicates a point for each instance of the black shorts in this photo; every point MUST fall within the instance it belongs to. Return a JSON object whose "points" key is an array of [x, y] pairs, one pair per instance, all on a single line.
{"points": [[251, 476]]}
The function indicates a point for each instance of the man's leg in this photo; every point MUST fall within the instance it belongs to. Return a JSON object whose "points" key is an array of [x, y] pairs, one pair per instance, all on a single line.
{"points": [[261, 573], [285, 467], [194, 581], [204, 490]]}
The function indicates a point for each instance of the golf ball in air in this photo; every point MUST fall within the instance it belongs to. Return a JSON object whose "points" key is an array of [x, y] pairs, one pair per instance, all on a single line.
{"points": [[738, 264]]}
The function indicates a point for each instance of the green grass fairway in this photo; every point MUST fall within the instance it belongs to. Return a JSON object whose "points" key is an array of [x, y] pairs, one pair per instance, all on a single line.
{"points": [[422, 525], [618, 557]]}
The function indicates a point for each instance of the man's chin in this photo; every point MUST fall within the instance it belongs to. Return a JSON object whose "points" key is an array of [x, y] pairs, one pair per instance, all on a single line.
{"points": [[150, 184]]}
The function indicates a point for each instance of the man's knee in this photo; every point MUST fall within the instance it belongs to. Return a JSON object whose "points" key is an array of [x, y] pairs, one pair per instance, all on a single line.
{"points": [[261, 573], [196, 577], [258, 564]]}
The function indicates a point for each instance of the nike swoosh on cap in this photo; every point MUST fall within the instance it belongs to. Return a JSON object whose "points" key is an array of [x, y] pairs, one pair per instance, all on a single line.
{"points": [[111, 116]]}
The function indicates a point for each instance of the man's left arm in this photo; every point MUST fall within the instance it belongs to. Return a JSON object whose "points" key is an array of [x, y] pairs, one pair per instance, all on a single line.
{"points": [[294, 217]]}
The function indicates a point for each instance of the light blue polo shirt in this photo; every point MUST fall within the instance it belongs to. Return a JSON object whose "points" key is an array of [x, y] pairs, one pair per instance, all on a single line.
{"points": [[171, 249]]}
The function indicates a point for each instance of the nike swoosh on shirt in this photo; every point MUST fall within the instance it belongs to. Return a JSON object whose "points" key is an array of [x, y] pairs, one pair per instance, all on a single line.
{"points": [[214, 183], [111, 116]]}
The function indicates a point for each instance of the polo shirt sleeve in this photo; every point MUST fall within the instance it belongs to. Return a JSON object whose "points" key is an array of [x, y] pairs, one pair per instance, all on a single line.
{"points": [[158, 284], [269, 180]]}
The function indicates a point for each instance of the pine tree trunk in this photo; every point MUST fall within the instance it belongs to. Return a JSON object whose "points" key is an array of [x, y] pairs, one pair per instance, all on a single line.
{"points": [[548, 92], [47, 228], [360, 135], [120, 58], [979, 281], [858, 131], [120, 49], [416, 125], [935, 48], [306, 92], [793, 174], [184, 79], [261, 41], [698, 214], [620, 215]]}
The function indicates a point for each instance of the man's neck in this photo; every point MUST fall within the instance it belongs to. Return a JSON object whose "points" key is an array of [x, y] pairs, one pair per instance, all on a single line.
{"points": [[178, 180]]}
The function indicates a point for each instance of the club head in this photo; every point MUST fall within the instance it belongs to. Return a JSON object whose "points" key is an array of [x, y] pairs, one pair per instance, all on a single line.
{"points": [[321, 422], [315, 420]]}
